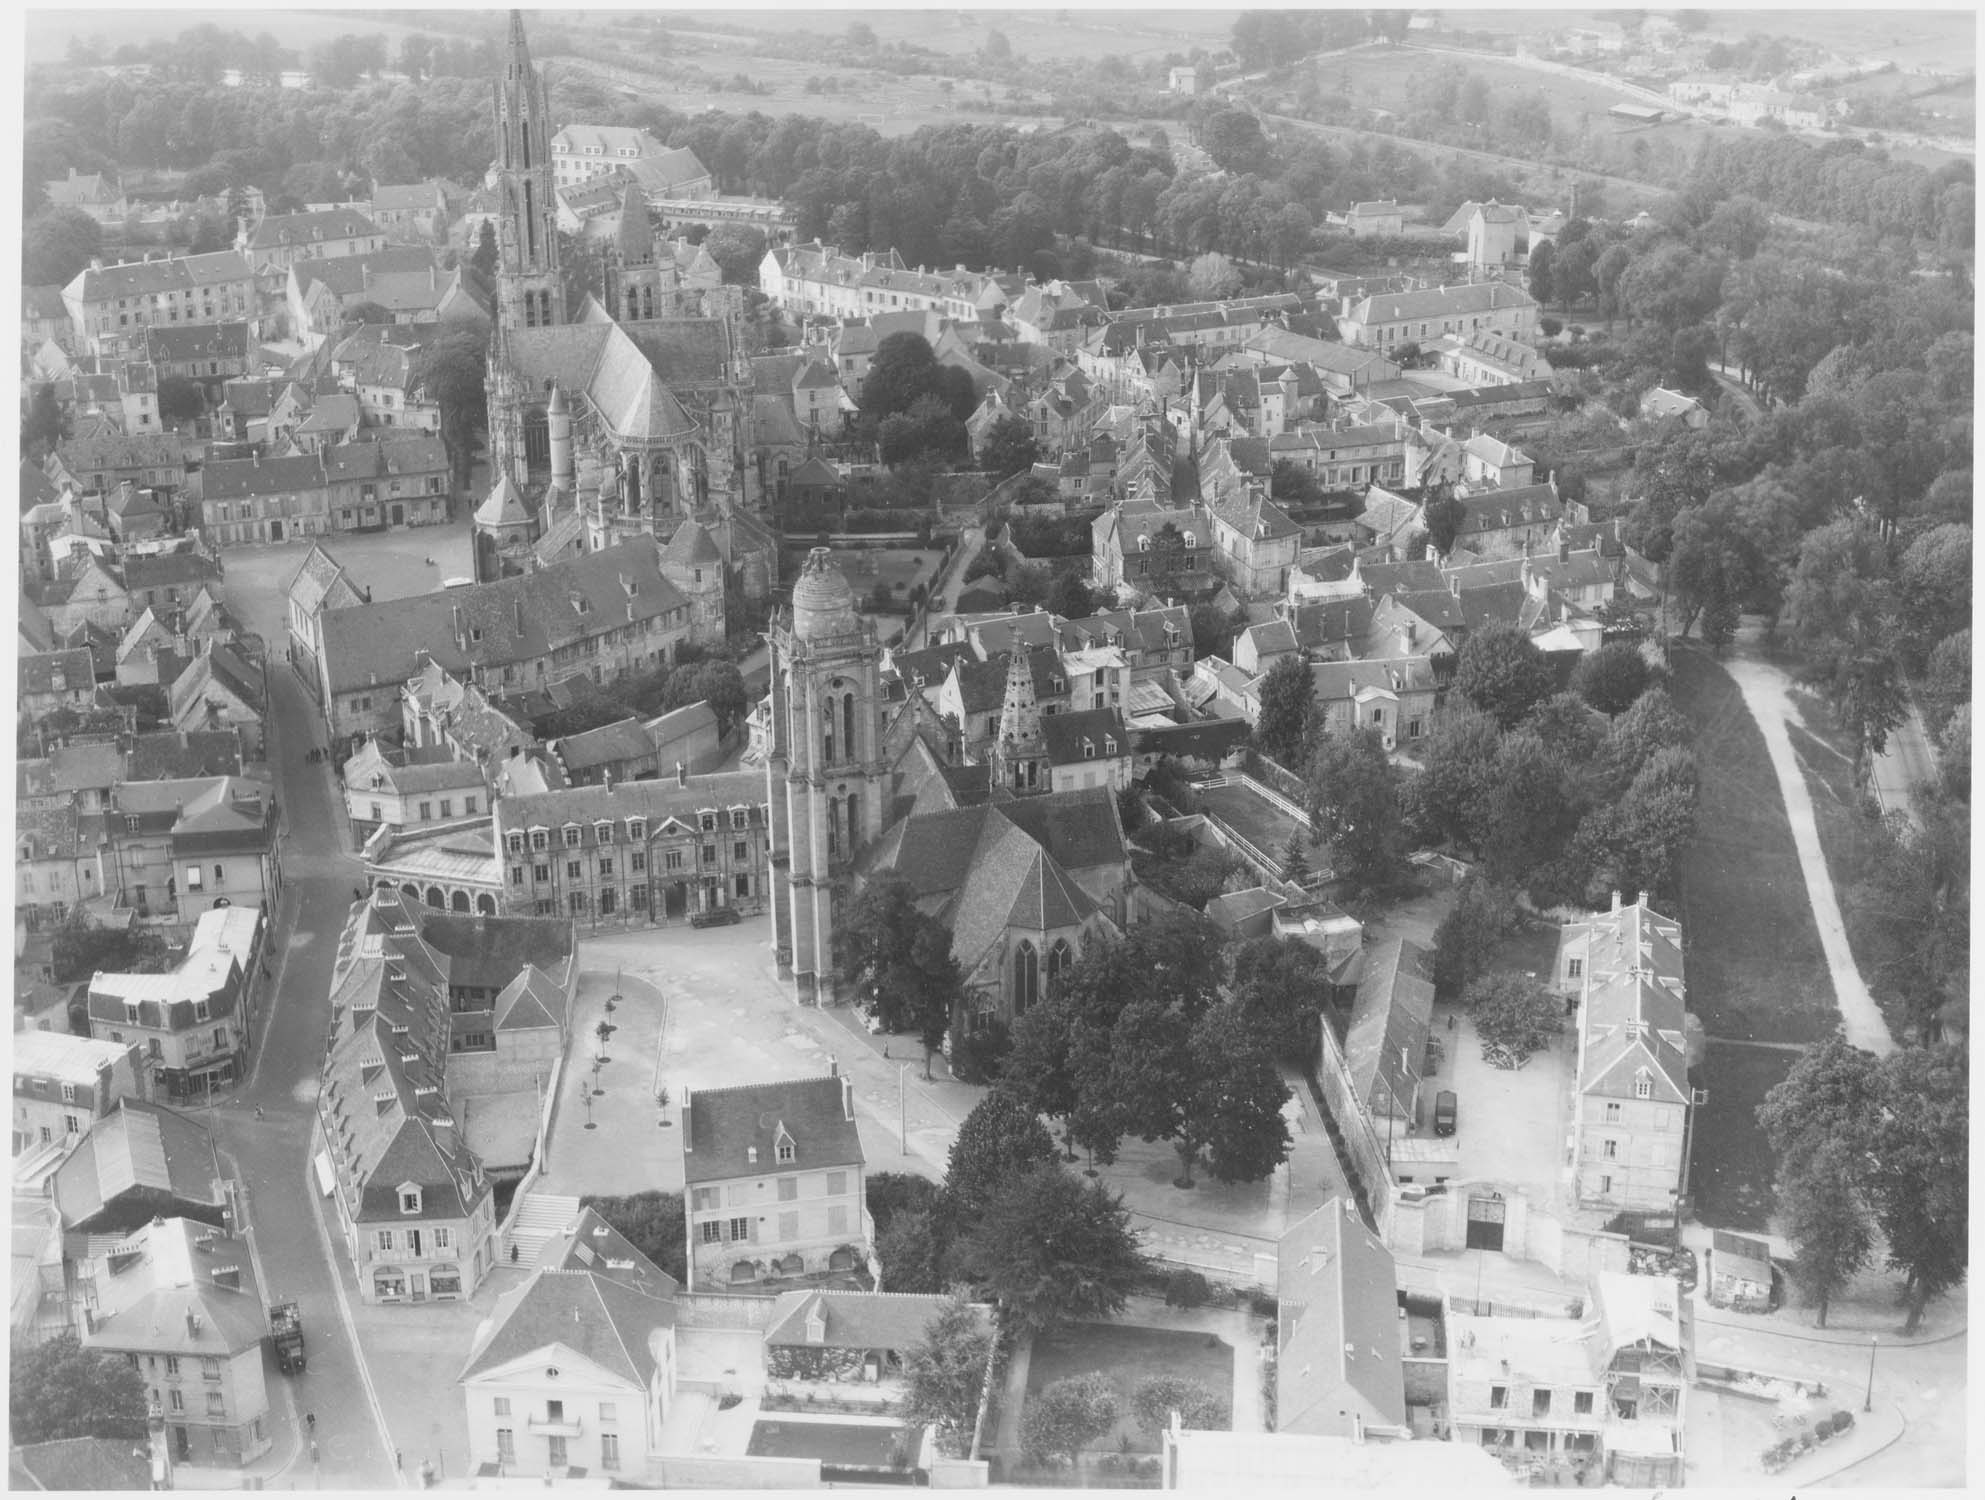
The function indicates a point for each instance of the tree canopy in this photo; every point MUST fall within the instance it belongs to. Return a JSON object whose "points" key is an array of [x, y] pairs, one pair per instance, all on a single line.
{"points": [[1054, 1248], [58, 1389]]}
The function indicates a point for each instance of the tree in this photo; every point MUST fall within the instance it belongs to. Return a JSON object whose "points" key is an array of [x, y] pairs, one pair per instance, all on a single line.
{"points": [[1921, 1181], [738, 250], [82, 949], [913, 1251], [904, 368], [1501, 671], [1001, 1136], [1459, 757], [483, 262], [179, 400], [945, 1373], [1158, 1396], [1935, 589], [1636, 842], [56, 244], [1525, 812], [1827, 1222], [1278, 990], [46, 425], [1212, 276], [1908, 913], [59, 1389], [1066, 1417], [1611, 678], [1355, 803], [1514, 1016], [1236, 1102], [654, 1223], [1282, 730], [1829, 1096], [1008, 447], [1651, 725], [1053, 1248], [1541, 255], [889, 1194], [900, 959], [716, 682], [453, 369], [1234, 139], [1444, 516], [1070, 597], [1483, 914]]}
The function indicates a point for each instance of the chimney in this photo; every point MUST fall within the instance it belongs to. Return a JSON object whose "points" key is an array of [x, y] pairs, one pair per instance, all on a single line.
{"points": [[1564, 546], [848, 1098], [1616, 901], [681, 774], [1412, 631]]}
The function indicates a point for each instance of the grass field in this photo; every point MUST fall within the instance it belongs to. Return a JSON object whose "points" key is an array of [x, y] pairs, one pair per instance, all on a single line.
{"points": [[859, 1444], [1756, 970], [1731, 1167], [1253, 817], [1129, 1355]]}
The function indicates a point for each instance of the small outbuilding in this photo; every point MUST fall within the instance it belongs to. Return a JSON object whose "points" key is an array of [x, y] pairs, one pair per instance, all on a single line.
{"points": [[1739, 1272]]}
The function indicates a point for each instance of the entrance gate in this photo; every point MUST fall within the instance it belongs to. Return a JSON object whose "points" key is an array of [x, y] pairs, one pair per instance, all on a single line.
{"points": [[1485, 1222]]}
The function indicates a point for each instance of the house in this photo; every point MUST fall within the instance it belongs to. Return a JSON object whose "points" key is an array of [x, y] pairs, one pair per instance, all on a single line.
{"points": [[411, 789], [1410, 625], [1660, 404], [1380, 217], [38, 1286], [95, 1464], [136, 1163], [764, 1146], [404, 280], [179, 1300], [1255, 541], [630, 750], [636, 850], [319, 585], [817, 1340], [1152, 549], [1088, 747], [581, 152], [1390, 523], [57, 865], [1605, 1393], [608, 612], [1395, 698], [44, 320], [112, 307], [412, 213], [1490, 463], [1505, 523], [1345, 458], [1338, 1361], [413, 1202], [219, 688], [1739, 1272], [188, 846], [64, 1084], [204, 352], [279, 240], [1633, 1115], [168, 580], [1328, 629], [1389, 320], [193, 1021], [96, 462], [1259, 647], [51, 680], [100, 196], [1385, 1046], [579, 1363], [1486, 357]]}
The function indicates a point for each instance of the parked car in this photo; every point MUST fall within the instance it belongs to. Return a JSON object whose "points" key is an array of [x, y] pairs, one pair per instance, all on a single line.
{"points": [[721, 916], [1445, 1107]]}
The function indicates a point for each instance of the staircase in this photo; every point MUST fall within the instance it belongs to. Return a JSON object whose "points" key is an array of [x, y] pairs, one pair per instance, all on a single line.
{"points": [[539, 1217]]}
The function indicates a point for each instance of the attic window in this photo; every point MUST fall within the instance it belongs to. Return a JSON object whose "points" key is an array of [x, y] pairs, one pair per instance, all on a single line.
{"points": [[603, 833], [637, 830], [409, 1200], [740, 817], [1109, 744], [1191, 540], [1643, 1086], [572, 835], [1088, 748], [1144, 544]]}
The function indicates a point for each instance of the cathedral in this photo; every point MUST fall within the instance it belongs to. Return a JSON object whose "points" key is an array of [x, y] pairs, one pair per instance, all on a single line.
{"points": [[615, 408]]}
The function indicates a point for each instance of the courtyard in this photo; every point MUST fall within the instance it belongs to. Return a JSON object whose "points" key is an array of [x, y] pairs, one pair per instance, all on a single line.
{"points": [[393, 564], [1128, 1354]]}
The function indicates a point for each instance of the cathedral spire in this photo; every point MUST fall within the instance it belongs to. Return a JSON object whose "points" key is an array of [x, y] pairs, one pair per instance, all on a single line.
{"points": [[530, 290], [520, 51]]}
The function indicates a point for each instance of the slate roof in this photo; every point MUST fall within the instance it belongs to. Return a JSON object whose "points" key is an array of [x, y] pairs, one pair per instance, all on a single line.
{"points": [[858, 1320], [1272, 638], [82, 1463], [1329, 622], [653, 801], [721, 1125], [169, 570], [1337, 1328], [1501, 510], [1633, 1015], [1066, 734], [140, 278], [1256, 517], [109, 449], [38, 671], [164, 1274], [982, 684], [592, 1245], [1418, 576], [1440, 302], [180, 754], [369, 644], [307, 228], [1386, 1045], [601, 1320], [1335, 680], [691, 546], [137, 1148]]}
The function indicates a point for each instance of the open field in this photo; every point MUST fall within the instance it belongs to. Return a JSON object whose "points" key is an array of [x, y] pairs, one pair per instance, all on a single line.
{"points": [[1253, 817], [1731, 1167], [1129, 1355], [1756, 970], [49, 30], [1084, 35]]}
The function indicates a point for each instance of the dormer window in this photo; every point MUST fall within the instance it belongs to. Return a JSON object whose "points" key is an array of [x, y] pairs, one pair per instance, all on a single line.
{"points": [[1144, 544], [1109, 744], [740, 817], [516, 843], [709, 822], [603, 833], [1088, 749], [539, 838], [572, 835], [409, 1199], [1191, 540], [1643, 1085], [637, 830]]}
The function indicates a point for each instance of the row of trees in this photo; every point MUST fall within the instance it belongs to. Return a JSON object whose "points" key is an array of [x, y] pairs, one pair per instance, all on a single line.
{"points": [[1873, 1152]]}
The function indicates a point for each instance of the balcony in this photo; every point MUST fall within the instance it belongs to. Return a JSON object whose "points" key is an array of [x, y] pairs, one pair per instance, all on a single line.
{"points": [[561, 1427]]}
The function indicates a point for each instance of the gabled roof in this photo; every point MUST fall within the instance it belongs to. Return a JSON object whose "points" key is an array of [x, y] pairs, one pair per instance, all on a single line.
{"points": [[732, 1132], [1337, 1329], [604, 1322], [310, 228], [1387, 1040], [157, 1292], [1084, 735], [858, 1320], [592, 1245], [1633, 1015], [141, 1149], [1329, 622]]}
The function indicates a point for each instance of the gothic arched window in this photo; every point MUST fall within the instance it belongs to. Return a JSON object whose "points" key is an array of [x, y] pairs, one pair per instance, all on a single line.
{"points": [[1026, 979], [1061, 958], [848, 724]]}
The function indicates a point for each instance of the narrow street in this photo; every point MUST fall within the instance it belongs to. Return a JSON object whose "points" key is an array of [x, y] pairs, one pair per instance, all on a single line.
{"points": [[270, 1156], [1906, 763]]}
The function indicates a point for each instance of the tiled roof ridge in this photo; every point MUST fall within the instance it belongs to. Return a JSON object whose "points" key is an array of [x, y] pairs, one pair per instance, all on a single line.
{"points": [[739, 1088]]}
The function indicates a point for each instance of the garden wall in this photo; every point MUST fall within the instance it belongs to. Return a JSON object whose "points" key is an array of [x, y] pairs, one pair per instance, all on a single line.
{"points": [[1426, 1224], [697, 1472], [1358, 1144], [723, 1310]]}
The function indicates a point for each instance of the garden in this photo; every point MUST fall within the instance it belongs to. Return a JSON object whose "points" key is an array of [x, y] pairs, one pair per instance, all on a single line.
{"points": [[1126, 1356]]}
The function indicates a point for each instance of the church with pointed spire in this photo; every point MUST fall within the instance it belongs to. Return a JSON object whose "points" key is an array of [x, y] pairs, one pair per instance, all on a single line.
{"points": [[620, 406]]}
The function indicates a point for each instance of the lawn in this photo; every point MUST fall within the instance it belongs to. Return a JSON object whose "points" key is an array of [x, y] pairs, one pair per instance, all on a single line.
{"points": [[1255, 819], [1755, 968], [1129, 1355], [899, 567], [1731, 1166]]}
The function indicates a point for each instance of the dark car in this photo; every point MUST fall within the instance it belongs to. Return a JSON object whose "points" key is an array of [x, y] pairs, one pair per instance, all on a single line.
{"points": [[1445, 1107], [721, 916]]}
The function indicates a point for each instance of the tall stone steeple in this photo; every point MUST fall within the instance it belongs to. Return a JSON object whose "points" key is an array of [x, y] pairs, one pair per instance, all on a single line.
{"points": [[1019, 757], [530, 293], [635, 285]]}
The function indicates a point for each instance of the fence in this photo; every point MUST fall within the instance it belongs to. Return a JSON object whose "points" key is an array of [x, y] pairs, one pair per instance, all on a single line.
{"points": [[1285, 781]]}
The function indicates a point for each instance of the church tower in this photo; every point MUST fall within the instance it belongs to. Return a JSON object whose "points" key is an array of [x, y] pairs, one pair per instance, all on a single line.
{"points": [[529, 290], [1019, 755], [824, 768], [638, 286]]}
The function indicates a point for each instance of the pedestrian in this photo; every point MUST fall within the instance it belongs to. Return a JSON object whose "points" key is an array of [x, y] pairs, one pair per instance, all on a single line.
{"points": [[313, 1450], [310, 1421], [258, 1111]]}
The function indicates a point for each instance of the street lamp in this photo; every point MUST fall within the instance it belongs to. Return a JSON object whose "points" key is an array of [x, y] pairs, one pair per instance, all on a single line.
{"points": [[1874, 1343]]}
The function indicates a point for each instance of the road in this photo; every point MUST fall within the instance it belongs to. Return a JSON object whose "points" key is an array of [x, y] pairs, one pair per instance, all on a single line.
{"points": [[271, 1156], [1737, 389], [1904, 765]]}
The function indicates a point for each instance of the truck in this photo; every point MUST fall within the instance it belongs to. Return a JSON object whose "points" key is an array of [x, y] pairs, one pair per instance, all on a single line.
{"points": [[286, 1329]]}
